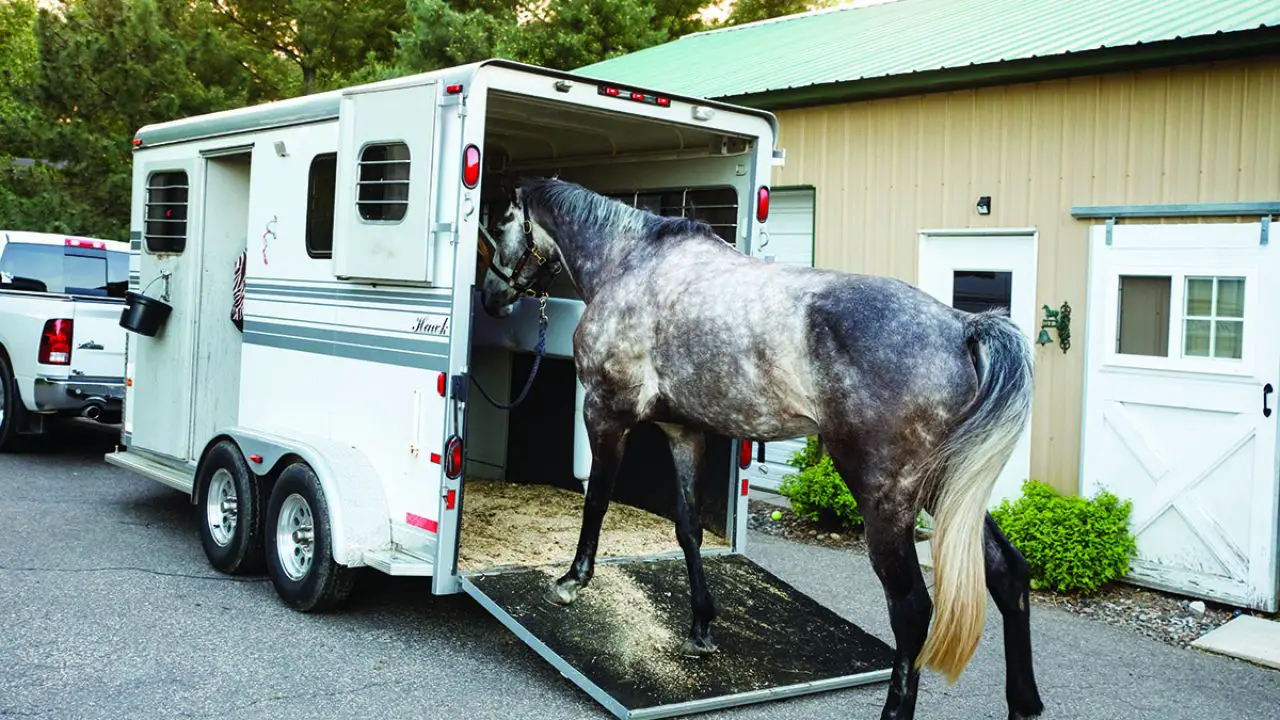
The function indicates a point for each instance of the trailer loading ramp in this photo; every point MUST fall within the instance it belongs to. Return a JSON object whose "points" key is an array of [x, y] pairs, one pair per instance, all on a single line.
{"points": [[619, 640]]}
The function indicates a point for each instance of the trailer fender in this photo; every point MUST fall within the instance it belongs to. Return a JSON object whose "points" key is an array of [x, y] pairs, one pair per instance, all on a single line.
{"points": [[350, 482]]}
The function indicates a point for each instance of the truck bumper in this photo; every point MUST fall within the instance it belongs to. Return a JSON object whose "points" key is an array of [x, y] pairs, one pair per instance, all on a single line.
{"points": [[93, 398]]}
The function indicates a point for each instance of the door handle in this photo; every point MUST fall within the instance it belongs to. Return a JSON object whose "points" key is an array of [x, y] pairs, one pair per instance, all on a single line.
{"points": [[1266, 390]]}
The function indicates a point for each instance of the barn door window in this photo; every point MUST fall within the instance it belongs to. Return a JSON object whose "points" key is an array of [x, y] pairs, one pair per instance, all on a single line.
{"points": [[166, 212], [1143, 327], [1213, 317], [382, 193], [980, 290]]}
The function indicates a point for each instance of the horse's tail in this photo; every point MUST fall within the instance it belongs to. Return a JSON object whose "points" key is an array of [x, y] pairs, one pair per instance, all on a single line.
{"points": [[969, 462]]}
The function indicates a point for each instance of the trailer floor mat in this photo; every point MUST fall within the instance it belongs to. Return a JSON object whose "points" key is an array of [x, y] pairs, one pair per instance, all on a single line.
{"points": [[620, 639]]}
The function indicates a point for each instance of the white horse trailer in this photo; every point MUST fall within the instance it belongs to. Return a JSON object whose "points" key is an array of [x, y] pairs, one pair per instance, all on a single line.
{"points": [[310, 387]]}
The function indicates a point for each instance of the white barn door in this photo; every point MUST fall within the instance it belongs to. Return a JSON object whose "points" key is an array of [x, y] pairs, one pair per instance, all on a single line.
{"points": [[1182, 367], [980, 270]]}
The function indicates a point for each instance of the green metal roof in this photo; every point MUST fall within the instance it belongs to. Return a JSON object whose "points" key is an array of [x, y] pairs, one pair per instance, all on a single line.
{"points": [[870, 41]]}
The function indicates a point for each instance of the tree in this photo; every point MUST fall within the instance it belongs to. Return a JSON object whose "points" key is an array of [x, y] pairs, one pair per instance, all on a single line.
{"points": [[325, 39], [745, 11], [106, 68]]}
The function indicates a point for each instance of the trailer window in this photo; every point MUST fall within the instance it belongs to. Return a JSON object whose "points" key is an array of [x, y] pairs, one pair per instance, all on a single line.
{"points": [[321, 190], [382, 193], [718, 207], [166, 212]]}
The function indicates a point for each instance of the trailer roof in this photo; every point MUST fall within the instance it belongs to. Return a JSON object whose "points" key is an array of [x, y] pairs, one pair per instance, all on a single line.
{"points": [[321, 107]]}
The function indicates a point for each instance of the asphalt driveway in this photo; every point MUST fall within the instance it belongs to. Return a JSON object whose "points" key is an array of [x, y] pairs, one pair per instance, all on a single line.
{"points": [[108, 609]]}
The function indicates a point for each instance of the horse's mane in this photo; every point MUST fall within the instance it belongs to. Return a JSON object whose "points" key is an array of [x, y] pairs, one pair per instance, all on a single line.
{"points": [[595, 214]]}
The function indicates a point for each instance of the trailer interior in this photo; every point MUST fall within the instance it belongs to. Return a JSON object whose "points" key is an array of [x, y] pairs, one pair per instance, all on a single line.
{"points": [[521, 501], [522, 496]]}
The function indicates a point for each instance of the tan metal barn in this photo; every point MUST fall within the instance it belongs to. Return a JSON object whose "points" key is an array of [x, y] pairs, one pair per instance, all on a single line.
{"points": [[1117, 161]]}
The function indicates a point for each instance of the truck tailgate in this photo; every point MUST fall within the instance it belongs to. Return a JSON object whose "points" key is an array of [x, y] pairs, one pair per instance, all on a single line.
{"points": [[97, 341]]}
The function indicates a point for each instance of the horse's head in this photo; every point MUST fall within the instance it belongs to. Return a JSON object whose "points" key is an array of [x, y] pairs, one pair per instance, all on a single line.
{"points": [[523, 259]]}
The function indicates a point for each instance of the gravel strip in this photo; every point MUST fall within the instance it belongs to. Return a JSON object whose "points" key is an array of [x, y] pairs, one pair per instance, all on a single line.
{"points": [[1166, 617]]}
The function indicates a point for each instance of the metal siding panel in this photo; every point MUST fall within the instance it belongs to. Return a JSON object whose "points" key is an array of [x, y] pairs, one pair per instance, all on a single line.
{"points": [[1146, 137], [1220, 163], [1260, 143], [1184, 118]]}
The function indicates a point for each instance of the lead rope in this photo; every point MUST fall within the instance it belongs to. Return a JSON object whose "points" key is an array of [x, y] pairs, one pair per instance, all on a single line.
{"points": [[537, 361]]}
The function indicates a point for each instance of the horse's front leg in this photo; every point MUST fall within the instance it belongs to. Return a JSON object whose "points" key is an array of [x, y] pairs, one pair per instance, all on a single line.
{"points": [[687, 448], [608, 440]]}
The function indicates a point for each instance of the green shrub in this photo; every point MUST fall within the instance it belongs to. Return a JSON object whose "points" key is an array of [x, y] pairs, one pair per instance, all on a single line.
{"points": [[819, 495], [808, 457], [1072, 543]]}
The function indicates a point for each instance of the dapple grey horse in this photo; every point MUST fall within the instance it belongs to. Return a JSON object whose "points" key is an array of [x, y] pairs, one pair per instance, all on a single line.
{"points": [[919, 404]]}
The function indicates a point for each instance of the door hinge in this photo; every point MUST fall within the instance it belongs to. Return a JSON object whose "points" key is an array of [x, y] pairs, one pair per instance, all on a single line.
{"points": [[1111, 226], [458, 388], [1266, 230]]}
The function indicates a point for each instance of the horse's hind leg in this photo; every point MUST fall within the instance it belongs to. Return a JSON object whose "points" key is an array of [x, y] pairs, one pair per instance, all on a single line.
{"points": [[608, 440], [687, 447], [889, 515], [1009, 582]]}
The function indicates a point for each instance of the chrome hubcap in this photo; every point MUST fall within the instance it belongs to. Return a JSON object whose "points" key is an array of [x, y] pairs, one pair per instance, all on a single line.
{"points": [[295, 537], [220, 507]]}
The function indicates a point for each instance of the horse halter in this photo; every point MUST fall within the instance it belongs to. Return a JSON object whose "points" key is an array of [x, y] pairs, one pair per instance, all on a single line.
{"points": [[539, 279]]}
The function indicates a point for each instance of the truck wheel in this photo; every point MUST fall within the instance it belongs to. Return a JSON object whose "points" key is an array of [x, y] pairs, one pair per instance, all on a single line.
{"points": [[11, 410], [230, 502], [299, 544]]}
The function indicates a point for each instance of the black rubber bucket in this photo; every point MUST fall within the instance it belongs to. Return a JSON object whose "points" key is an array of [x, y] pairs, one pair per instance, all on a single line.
{"points": [[143, 315]]}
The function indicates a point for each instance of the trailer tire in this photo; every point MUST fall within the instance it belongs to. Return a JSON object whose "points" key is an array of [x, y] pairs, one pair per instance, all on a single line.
{"points": [[232, 540], [12, 413], [299, 544]]}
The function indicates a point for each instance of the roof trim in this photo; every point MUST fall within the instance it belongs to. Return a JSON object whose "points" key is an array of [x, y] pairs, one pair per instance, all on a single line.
{"points": [[323, 107], [1199, 48]]}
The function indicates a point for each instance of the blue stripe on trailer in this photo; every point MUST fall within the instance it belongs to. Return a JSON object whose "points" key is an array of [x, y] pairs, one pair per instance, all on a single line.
{"points": [[401, 352]]}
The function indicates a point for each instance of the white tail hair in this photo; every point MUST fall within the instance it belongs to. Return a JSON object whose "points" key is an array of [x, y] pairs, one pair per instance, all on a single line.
{"points": [[970, 461]]}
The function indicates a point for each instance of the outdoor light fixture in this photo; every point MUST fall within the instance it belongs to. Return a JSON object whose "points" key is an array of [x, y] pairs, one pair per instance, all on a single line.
{"points": [[1059, 320], [984, 205]]}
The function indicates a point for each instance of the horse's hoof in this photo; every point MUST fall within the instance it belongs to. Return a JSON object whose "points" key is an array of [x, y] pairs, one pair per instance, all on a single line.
{"points": [[562, 592], [698, 648]]}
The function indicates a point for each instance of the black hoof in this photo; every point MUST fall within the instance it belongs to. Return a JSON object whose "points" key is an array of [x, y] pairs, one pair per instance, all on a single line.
{"points": [[698, 648], [562, 592]]}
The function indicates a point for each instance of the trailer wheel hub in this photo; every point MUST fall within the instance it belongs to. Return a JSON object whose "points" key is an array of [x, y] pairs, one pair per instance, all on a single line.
{"points": [[295, 537], [220, 507]]}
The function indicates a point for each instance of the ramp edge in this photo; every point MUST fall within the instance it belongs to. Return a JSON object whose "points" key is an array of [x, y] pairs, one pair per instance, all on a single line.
{"points": [[765, 695], [547, 653]]}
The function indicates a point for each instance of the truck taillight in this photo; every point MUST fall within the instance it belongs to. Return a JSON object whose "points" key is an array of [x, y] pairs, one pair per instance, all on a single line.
{"points": [[744, 454], [762, 203], [55, 342]]}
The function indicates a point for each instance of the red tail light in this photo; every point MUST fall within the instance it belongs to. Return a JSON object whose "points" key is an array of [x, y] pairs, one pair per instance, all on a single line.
{"points": [[450, 499], [762, 203], [440, 384], [453, 457], [453, 89], [55, 343], [744, 454], [471, 166]]}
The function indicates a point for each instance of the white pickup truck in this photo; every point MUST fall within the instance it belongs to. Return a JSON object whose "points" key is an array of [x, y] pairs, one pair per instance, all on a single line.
{"points": [[62, 350]]}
